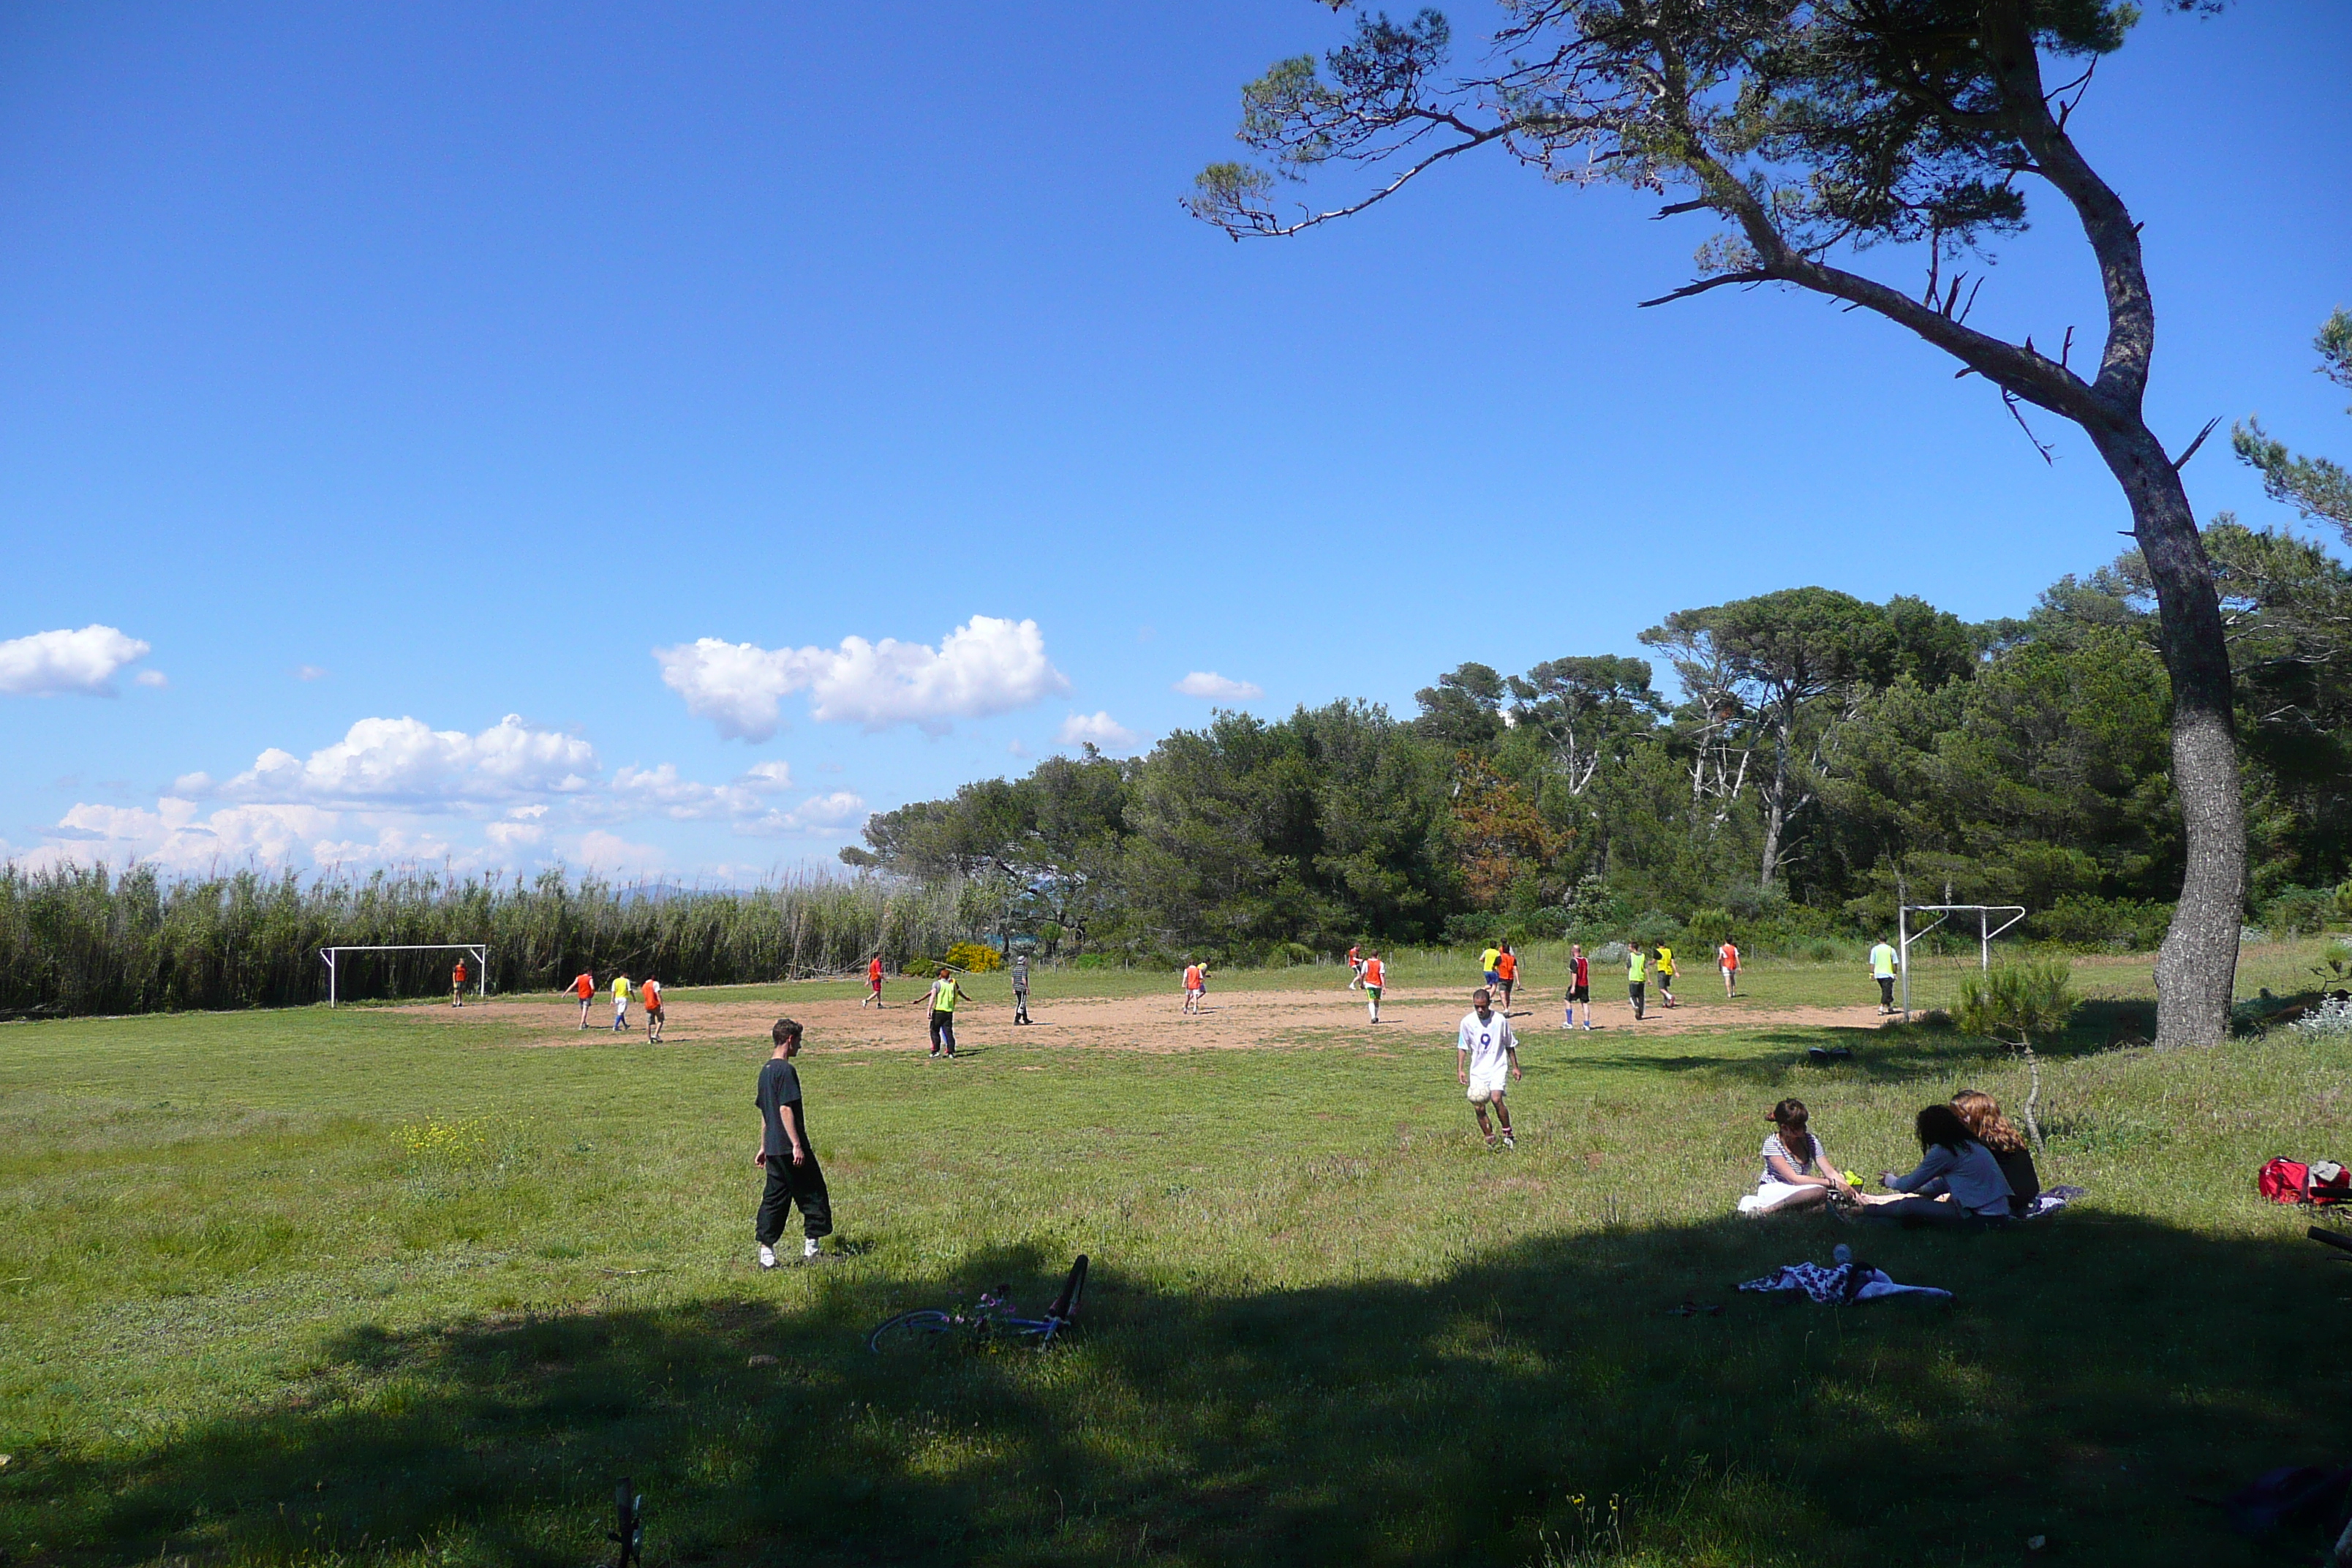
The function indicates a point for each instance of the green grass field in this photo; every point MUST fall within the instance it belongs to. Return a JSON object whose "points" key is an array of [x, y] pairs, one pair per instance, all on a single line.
{"points": [[361, 1286]]}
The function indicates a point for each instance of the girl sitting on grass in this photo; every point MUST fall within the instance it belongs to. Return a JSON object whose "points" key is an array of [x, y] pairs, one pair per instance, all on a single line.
{"points": [[1981, 1111], [1952, 1162], [1798, 1174]]}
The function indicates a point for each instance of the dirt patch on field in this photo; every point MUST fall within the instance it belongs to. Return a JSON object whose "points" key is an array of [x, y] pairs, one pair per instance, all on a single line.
{"points": [[1236, 1020]]}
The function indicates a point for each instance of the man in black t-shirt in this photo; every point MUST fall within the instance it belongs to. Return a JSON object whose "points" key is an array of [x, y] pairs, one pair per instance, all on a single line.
{"points": [[786, 1152]]}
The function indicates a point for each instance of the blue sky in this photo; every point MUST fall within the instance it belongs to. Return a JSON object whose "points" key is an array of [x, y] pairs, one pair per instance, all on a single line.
{"points": [[388, 371]]}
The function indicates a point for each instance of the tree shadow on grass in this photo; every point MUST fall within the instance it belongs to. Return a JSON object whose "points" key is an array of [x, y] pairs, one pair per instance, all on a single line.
{"points": [[2092, 1378], [1896, 1053]]}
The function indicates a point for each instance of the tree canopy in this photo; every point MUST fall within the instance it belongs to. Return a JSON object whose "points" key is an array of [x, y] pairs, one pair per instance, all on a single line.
{"points": [[2022, 760]]}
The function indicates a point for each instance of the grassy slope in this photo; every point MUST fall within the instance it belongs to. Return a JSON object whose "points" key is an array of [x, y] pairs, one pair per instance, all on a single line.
{"points": [[282, 1287]]}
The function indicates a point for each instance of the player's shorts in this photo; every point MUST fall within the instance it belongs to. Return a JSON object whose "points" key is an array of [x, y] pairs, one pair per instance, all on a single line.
{"points": [[1195, 991], [1581, 993], [1484, 1084], [1493, 978], [1373, 991], [1634, 988], [873, 982]]}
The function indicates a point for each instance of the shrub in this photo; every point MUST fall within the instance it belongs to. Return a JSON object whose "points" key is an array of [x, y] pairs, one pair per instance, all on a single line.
{"points": [[2298, 910], [1708, 929], [974, 957], [1475, 928], [2078, 920], [2017, 1002], [1544, 925], [1655, 927], [2330, 1019]]}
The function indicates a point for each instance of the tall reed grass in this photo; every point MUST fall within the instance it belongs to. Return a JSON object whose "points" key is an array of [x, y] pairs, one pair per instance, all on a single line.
{"points": [[82, 940]]}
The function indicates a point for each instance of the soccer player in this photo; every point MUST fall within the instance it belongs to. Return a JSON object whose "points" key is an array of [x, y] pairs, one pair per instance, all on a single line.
{"points": [[1355, 969], [786, 1154], [1506, 969], [1637, 976], [873, 982], [650, 995], [1485, 1053], [1579, 987], [945, 994], [1726, 958], [1487, 966], [583, 985], [1196, 986], [1376, 974], [1021, 989], [1663, 960], [620, 1003], [457, 984], [1882, 969]]}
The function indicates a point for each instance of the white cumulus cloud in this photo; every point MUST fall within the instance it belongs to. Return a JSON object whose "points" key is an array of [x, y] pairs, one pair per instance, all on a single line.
{"points": [[609, 852], [985, 667], [821, 813], [177, 836], [47, 664], [405, 761], [1101, 731], [1208, 683]]}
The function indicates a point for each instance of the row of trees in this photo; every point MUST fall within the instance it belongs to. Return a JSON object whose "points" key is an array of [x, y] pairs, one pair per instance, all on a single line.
{"points": [[1820, 757], [76, 940]]}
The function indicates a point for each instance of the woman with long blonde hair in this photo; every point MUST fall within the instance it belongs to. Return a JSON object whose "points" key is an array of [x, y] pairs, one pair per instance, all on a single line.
{"points": [[1982, 1113]]}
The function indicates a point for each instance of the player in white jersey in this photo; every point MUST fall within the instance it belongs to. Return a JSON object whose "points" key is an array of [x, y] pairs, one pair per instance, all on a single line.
{"points": [[1486, 1054]]}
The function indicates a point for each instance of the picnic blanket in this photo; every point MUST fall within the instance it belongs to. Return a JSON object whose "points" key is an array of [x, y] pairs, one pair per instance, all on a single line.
{"points": [[1836, 1284], [2051, 1200]]}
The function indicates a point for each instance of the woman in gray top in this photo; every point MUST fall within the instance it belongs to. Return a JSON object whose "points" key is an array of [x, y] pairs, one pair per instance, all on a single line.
{"points": [[1953, 1167]]}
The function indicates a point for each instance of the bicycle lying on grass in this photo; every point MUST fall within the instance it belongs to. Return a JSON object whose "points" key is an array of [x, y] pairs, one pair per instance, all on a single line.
{"points": [[991, 1319]]}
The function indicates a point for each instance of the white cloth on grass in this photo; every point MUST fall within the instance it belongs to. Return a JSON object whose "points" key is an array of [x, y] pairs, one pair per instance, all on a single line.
{"points": [[1835, 1286], [1770, 1195]]}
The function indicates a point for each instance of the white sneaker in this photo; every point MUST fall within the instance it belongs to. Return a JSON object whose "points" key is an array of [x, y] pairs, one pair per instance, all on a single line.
{"points": [[767, 1255], [809, 1248]]}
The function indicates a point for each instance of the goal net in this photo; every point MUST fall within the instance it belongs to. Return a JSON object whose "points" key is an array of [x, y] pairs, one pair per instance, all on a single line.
{"points": [[479, 950]]}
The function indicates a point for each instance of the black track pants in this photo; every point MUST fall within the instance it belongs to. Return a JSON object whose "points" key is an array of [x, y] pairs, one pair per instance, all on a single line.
{"points": [[788, 1185]]}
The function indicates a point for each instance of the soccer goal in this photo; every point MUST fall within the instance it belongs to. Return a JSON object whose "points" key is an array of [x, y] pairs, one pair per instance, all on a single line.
{"points": [[1985, 931], [480, 952]]}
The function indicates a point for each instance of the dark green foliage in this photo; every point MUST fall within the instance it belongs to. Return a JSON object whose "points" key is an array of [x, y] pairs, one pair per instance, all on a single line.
{"points": [[2316, 487], [2018, 1002], [79, 942], [1879, 752]]}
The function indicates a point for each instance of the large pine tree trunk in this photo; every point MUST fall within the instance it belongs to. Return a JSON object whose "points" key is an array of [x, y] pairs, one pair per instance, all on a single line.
{"points": [[2197, 968]]}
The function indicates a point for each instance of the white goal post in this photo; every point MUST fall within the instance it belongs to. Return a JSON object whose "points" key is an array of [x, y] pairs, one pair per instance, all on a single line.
{"points": [[480, 950], [1985, 931]]}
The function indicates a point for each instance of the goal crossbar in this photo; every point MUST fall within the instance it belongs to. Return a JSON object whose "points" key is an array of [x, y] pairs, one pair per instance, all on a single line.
{"points": [[1985, 931], [480, 950]]}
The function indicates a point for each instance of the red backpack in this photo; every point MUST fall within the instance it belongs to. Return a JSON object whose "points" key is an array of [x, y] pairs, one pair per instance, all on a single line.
{"points": [[2285, 1181]]}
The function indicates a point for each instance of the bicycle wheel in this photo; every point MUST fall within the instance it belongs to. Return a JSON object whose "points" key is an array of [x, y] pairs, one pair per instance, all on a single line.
{"points": [[1066, 1305], [910, 1331]]}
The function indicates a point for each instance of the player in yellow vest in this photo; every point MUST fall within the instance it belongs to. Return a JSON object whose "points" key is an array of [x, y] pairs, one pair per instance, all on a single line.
{"points": [[1664, 962], [1637, 977], [946, 992], [620, 1003]]}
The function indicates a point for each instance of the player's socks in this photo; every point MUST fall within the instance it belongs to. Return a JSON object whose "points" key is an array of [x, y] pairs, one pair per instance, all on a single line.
{"points": [[767, 1255], [809, 1248]]}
